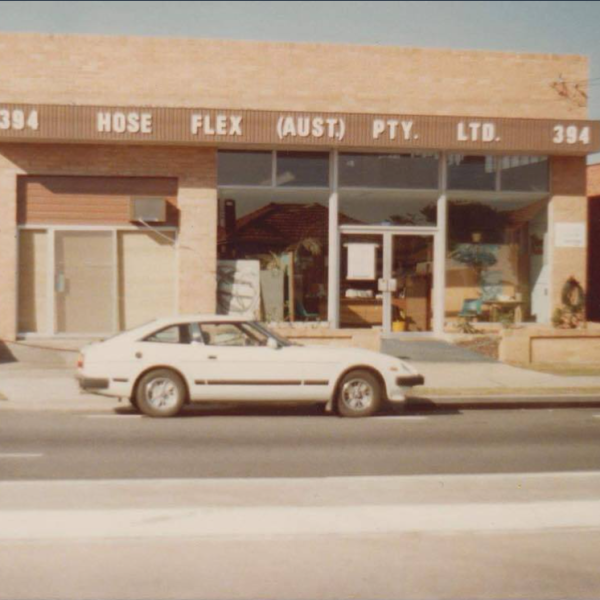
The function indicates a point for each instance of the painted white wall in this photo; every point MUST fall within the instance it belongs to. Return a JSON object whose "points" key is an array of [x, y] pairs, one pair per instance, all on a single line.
{"points": [[539, 269]]}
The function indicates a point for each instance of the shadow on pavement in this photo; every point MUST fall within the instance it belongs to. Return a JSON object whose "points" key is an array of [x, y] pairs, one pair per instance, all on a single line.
{"points": [[422, 407], [6, 356]]}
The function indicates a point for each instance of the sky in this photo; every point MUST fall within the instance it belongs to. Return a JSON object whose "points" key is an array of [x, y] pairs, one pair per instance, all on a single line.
{"points": [[555, 27]]}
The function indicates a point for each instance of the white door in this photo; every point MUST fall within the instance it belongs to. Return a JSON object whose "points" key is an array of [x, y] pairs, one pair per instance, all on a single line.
{"points": [[239, 366]]}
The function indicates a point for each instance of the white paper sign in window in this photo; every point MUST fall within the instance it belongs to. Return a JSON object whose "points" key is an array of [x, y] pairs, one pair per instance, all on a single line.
{"points": [[570, 235], [362, 261]]}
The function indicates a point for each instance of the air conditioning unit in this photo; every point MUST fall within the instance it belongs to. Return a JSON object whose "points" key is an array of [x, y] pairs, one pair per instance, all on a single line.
{"points": [[148, 210]]}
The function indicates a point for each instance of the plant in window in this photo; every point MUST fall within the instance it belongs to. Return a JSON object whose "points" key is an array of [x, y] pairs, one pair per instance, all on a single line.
{"points": [[571, 315]]}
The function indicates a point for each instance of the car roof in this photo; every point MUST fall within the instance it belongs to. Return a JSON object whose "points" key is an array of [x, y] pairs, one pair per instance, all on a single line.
{"points": [[202, 318]]}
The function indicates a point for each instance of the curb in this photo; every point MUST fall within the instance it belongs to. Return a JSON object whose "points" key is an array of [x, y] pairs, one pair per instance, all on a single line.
{"points": [[422, 403], [415, 404], [506, 392]]}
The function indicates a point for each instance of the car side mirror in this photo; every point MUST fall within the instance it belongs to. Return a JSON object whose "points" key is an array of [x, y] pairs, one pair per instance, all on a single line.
{"points": [[273, 344]]}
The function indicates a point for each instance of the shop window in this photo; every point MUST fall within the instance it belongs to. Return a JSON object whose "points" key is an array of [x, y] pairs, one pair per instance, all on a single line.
{"points": [[387, 207], [471, 172], [524, 173], [245, 168], [272, 249], [498, 261], [408, 171], [302, 169]]}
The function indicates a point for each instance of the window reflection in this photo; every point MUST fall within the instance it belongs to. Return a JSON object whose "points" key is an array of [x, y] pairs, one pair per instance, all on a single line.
{"points": [[409, 171], [387, 207], [272, 249], [244, 168], [524, 173], [471, 172], [497, 260], [302, 169]]}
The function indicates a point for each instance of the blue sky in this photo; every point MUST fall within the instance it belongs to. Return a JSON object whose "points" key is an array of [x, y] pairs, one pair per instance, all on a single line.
{"points": [[558, 27]]}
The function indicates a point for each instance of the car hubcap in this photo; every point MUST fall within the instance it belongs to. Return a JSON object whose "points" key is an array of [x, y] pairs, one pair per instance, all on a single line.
{"points": [[162, 393], [357, 394]]}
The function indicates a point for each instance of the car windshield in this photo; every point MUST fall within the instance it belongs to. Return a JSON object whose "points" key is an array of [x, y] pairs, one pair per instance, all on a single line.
{"points": [[280, 339]]}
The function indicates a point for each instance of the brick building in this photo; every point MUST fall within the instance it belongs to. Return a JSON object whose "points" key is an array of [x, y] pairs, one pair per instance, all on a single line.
{"points": [[446, 180], [593, 193]]}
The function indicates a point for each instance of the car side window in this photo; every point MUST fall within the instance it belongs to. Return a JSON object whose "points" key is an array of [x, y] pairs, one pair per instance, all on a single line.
{"points": [[231, 334], [174, 334]]}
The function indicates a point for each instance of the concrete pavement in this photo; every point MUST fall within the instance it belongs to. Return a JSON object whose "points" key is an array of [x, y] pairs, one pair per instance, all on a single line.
{"points": [[508, 536]]}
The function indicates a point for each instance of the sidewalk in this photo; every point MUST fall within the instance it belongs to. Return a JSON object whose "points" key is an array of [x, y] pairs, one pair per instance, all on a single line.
{"points": [[44, 379]]}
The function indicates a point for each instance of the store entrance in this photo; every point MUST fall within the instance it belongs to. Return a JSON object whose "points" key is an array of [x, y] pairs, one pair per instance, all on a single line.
{"points": [[386, 281]]}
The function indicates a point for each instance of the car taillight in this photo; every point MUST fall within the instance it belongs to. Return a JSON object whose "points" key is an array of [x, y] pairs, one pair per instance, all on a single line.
{"points": [[80, 361]]}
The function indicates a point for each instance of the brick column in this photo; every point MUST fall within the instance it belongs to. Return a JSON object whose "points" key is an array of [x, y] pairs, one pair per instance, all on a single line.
{"points": [[198, 238], [568, 204], [8, 250]]}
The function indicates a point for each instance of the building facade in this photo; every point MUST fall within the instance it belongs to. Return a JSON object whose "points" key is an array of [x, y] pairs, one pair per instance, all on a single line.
{"points": [[355, 186], [593, 193]]}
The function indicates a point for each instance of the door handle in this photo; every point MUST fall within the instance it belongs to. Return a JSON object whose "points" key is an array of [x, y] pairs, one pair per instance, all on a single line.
{"points": [[212, 357], [60, 283]]}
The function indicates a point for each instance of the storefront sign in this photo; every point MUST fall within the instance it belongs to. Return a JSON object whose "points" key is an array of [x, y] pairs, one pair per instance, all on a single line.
{"points": [[570, 235], [273, 128]]}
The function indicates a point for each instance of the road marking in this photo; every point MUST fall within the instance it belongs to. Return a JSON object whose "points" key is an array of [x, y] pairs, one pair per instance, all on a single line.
{"points": [[275, 521], [556, 397], [401, 418], [20, 455], [251, 482], [136, 416]]}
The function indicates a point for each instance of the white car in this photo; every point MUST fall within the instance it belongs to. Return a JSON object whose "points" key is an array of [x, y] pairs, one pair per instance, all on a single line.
{"points": [[165, 364]]}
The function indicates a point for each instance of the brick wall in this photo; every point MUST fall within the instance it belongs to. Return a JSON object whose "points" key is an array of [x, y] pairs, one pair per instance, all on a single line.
{"points": [[55, 69], [195, 170], [568, 204], [593, 180]]}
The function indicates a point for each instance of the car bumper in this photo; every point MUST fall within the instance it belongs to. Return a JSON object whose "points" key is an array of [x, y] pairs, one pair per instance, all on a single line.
{"points": [[408, 381], [93, 384]]}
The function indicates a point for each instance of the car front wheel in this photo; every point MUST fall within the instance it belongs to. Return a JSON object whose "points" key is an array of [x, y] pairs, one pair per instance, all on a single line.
{"points": [[359, 394], [160, 393]]}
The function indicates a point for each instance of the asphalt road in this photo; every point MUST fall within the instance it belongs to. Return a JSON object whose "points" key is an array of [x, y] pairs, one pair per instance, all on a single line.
{"points": [[295, 442], [289, 503]]}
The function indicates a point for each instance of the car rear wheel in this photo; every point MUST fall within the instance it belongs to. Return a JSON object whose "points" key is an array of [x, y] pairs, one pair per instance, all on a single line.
{"points": [[359, 394], [160, 393]]}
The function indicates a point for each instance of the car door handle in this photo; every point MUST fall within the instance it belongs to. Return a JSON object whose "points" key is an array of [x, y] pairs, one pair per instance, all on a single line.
{"points": [[212, 357]]}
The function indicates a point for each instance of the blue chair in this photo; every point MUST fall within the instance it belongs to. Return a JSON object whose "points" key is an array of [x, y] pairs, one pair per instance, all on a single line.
{"points": [[301, 312], [471, 309]]}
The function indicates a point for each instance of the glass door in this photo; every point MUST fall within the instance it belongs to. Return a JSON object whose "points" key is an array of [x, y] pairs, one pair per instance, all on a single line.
{"points": [[361, 271], [412, 277], [84, 282], [386, 281]]}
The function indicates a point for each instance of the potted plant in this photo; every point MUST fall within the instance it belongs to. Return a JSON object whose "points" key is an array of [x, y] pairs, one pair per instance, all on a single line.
{"points": [[399, 323]]}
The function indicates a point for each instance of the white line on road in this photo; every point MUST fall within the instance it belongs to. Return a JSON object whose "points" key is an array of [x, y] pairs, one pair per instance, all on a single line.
{"points": [[20, 455], [270, 521], [406, 418], [112, 416], [251, 481], [555, 397]]}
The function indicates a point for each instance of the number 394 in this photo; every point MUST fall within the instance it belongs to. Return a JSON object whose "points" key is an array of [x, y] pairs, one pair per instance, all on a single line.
{"points": [[571, 134], [18, 119]]}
